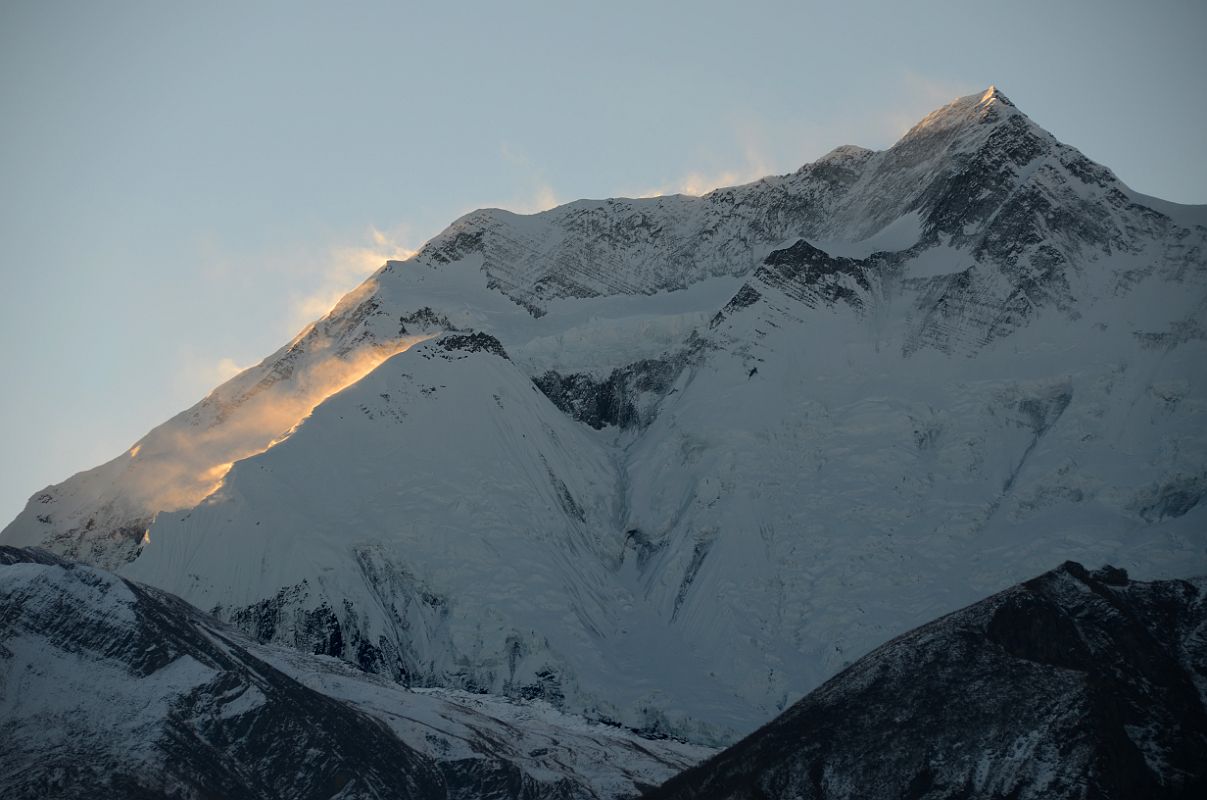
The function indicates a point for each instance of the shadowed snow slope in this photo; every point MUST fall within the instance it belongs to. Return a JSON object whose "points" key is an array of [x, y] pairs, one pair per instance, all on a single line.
{"points": [[1075, 684], [674, 462], [113, 689]]}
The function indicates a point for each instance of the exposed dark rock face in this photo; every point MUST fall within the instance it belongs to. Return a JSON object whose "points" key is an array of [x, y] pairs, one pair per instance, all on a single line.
{"points": [[423, 320], [813, 277], [473, 343], [285, 617], [1076, 684], [232, 725], [746, 297], [452, 248], [622, 398], [794, 280], [117, 544], [289, 617], [112, 689]]}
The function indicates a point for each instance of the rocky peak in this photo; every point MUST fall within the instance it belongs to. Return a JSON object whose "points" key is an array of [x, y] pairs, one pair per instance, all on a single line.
{"points": [[985, 107], [1075, 684], [844, 154]]}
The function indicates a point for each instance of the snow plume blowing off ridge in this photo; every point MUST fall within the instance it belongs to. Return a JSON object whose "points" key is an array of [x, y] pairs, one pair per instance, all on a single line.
{"points": [[674, 462], [184, 465], [185, 460]]}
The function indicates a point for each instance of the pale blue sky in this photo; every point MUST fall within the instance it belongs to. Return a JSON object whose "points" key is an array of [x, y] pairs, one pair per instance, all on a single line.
{"points": [[182, 184]]}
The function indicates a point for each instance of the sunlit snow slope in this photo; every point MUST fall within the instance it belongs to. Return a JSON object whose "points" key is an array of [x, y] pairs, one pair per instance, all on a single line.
{"points": [[675, 461]]}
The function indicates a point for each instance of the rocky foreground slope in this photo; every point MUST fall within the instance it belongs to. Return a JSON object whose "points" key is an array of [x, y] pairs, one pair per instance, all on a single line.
{"points": [[113, 689], [1075, 684]]}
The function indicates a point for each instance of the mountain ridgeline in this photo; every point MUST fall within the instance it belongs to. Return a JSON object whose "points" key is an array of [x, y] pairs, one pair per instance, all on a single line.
{"points": [[1074, 684], [109, 688], [672, 463]]}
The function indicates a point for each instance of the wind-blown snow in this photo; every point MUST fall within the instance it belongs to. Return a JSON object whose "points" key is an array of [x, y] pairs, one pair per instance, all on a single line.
{"points": [[850, 399]]}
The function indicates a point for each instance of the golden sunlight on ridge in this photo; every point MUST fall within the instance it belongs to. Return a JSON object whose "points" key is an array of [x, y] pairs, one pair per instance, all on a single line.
{"points": [[182, 464], [345, 266]]}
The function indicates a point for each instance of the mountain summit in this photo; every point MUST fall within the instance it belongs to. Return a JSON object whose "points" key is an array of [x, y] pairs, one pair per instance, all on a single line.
{"points": [[674, 462]]}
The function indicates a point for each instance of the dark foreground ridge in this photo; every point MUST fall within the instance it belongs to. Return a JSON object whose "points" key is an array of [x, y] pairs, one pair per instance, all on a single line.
{"points": [[1075, 684], [243, 730], [113, 689]]}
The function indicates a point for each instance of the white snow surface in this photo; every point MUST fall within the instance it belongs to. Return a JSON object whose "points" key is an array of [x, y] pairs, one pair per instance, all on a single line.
{"points": [[72, 696], [819, 478], [52, 696], [545, 743], [900, 234]]}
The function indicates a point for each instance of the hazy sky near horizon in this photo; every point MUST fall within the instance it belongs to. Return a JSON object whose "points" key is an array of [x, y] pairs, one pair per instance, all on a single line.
{"points": [[184, 185]]}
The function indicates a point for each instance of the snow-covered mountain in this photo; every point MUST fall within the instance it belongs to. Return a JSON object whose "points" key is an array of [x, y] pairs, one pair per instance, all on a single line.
{"points": [[674, 462], [1074, 684], [113, 689]]}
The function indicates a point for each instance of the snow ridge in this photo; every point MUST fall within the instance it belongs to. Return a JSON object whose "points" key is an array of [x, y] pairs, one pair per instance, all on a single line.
{"points": [[110, 688], [674, 462], [1073, 684]]}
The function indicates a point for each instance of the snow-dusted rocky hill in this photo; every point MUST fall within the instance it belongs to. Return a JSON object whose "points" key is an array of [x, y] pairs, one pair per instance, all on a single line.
{"points": [[112, 689], [1075, 684], [675, 461]]}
